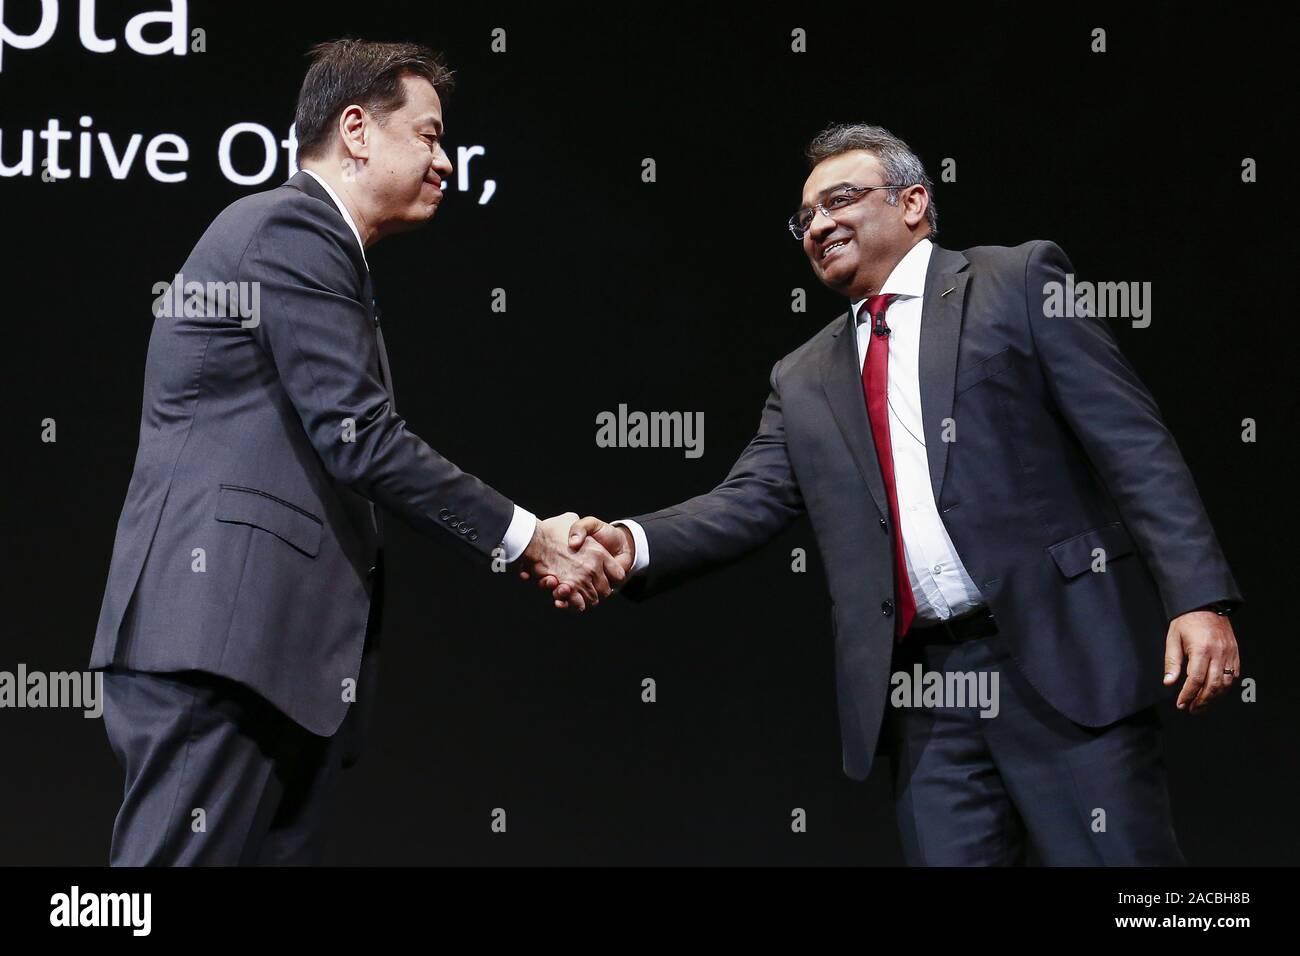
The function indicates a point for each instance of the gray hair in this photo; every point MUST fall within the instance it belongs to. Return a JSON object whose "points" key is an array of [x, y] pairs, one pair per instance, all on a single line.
{"points": [[899, 163]]}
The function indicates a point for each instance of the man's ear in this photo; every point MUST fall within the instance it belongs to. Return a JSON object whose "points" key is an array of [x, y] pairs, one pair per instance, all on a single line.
{"points": [[915, 202], [354, 128]]}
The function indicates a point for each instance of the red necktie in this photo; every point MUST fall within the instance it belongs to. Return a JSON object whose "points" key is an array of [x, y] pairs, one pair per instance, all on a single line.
{"points": [[875, 384]]}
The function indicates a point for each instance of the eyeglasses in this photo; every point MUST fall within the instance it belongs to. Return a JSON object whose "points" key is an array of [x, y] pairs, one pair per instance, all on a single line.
{"points": [[837, 200]]}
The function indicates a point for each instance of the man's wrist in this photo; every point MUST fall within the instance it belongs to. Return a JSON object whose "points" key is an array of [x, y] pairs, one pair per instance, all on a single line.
{"points": [[519, 535], [640, 546]]}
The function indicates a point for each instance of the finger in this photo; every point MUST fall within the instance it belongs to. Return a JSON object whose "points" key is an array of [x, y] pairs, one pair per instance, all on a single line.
{"points": [[579, 530], [600, 582], [588, 591], [1173, 656], [1213, 675], [614, 571], [523, 575], [1196, 666], [579, 602], [1218, 667], [1233, 661], [1213, 688]]}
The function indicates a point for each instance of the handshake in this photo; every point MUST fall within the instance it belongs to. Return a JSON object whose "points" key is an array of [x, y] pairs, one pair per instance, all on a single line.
{"points": [[578, 561]]}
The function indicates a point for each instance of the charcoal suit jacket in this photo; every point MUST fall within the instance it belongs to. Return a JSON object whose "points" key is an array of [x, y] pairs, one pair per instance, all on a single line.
{"points": [[249, 542], [1057, 450]]}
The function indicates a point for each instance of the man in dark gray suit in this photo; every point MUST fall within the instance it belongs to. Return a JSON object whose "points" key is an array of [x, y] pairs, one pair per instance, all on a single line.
{"points": [[240, 623], [996, 499]]}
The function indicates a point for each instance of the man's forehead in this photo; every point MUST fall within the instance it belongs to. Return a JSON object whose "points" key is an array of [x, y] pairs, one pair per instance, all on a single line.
{"points": [[856, 166]]}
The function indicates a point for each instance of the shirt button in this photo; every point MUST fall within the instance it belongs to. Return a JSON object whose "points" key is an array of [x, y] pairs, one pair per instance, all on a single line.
{"points": [[938, 568]]}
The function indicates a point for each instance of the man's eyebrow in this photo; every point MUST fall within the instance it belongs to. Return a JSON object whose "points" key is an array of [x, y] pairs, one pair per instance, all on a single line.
{"points": [[429, 120], [830, 189]]}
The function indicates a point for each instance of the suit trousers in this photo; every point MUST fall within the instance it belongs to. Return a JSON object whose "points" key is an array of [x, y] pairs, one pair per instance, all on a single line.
{"points": [[972, 790], [193, 741]]}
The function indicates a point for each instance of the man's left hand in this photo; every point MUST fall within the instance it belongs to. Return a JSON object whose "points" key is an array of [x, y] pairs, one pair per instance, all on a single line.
{"points": [[1205, 641]]}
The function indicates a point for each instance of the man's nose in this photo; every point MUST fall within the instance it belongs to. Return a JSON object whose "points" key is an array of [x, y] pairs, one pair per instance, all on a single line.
{"points": [[442, 164], [821, 225]]}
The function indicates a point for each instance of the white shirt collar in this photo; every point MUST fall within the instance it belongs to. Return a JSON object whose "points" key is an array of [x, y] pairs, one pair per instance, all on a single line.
{"points": [[343, 209], [908, 277]]}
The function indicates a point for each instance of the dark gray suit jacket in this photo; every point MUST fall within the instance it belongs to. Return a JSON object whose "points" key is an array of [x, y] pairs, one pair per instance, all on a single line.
{"points": [[243, 454], [1059, 449]]}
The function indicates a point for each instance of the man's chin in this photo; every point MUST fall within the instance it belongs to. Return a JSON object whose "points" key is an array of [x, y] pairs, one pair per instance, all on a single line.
{"points": [[838, 278], [416, 218]]}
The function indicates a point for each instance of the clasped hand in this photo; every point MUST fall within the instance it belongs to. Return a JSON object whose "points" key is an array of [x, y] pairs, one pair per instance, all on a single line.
{"points": [[578, 561]]}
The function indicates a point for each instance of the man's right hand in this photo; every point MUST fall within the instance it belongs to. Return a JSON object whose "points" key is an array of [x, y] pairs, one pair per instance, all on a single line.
{"points": [[584, 569], [615, 539]]}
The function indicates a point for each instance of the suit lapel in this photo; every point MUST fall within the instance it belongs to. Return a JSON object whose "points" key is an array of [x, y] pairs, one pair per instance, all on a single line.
{"points": [[842, 382], [383, 366], [941, 317], [375, 315], [372, 306]]}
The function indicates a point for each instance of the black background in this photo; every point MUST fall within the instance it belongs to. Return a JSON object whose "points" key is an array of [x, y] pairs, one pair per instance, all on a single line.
{"points": [[666, 296]]}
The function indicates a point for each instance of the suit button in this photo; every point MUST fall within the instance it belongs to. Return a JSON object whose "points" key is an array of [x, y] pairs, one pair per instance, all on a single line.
{"points": [[883, 525], [443, 514], [463, 530], [453, 519], [371, 573], [473, 535], [886, 608]]}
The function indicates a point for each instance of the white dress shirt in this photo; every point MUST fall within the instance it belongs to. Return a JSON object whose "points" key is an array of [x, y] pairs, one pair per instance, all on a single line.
{"points": [[524, 522], [940, 584]]}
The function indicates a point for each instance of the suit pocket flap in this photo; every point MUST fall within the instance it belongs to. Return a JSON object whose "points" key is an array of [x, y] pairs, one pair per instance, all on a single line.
{"points": [[1075, 555], [986, 368], [286, 521]]}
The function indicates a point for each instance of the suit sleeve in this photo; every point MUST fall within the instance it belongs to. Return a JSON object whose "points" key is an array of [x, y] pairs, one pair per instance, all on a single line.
{"points": [[757, 500], [323, 344], [1117, 422]]}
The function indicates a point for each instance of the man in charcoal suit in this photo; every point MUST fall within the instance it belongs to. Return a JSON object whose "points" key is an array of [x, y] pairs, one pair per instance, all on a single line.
{"points": [[240, 623], [993, 492]]}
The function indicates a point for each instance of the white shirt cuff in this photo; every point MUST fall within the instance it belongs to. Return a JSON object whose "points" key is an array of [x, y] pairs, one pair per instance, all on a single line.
{"points": [[642, 559], [519, 534]]}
